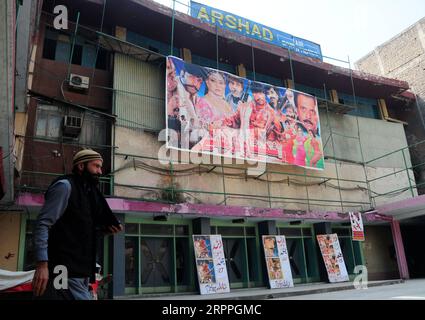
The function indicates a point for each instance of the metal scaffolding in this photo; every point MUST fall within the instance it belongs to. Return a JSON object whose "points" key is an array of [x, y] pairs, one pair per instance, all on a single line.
{"points": [[288, 178]]}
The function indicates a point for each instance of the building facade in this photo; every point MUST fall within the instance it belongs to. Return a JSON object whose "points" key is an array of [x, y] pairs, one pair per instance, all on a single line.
{"points": [[117, 51], [403, 57]]}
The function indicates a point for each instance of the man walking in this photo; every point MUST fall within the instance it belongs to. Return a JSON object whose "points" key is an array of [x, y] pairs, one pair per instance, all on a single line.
{"points": [[66, 229]]}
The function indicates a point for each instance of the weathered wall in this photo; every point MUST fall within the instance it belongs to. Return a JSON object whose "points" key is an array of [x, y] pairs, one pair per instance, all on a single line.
{"points": [[50, 79], [403, 58], [287, 188], [9, 240], [378, 138], [7, 65], [379, 253]]}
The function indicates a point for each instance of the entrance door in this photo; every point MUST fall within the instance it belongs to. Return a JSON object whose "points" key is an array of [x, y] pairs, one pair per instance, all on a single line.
{"points": [[155, 256], [234, 252], [296, 258]]}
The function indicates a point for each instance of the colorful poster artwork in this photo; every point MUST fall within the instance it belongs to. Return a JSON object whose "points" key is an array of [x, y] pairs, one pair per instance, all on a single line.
{"points": [[211, 264], [357, 226], [216, 113], [277, 262], [333, 257]]}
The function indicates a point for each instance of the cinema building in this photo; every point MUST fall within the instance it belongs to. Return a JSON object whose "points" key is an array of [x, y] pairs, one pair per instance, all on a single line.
{"points": [[101, 84]]}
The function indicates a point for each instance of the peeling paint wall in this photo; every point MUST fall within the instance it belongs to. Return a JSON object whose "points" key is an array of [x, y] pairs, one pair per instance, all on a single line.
{"points": [[403, 58], [137, 177], [379, 253], [201, 187]]}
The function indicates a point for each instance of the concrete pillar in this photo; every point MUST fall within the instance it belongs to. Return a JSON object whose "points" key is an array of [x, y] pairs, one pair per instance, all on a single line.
{"points": [[265, 228], [187, 55], [399, 249], [121, 33], [322, 228], [118, 261], [241, 71], [333, 96], [201, 226], [383, 109], [289, 84]]}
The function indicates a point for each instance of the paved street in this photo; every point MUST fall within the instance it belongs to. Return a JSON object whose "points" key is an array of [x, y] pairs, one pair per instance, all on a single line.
{"points": [[409, 290]]}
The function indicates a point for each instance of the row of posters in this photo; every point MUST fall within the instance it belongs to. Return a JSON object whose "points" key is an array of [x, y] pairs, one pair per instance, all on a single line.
{"points": [[212, 271], [213, 112]]}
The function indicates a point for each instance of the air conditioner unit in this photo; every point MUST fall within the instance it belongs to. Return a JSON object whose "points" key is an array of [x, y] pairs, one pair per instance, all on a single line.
{"points": [[72, 126], [78, 82]]}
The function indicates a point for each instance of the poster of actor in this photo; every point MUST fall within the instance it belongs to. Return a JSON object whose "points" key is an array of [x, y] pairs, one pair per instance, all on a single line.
{"points": [[215, 112], [333, 257], [277, 262], [210, 264]]}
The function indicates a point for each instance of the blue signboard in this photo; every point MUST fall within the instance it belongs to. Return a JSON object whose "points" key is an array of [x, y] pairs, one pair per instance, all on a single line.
{"points": [[254, 30]]}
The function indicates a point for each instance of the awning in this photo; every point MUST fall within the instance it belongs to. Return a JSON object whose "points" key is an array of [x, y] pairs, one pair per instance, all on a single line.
{"points": [[115, 44], [404, 209]]}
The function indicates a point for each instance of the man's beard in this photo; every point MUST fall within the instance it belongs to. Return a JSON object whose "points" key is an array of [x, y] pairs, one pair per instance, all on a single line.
{"points": [[90, 177]]}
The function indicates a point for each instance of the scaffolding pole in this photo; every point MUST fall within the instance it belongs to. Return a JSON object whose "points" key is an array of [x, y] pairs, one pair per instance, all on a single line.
{"points": [[216, 46], [253, 60], [292, 69], [172, 28], [73, 45], [224, 184], [359, 137], [333, 145], [97, 50]]}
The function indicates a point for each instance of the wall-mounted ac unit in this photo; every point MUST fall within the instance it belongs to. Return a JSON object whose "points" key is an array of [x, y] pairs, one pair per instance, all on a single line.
{"points": [[78, 82], [72, 126]]}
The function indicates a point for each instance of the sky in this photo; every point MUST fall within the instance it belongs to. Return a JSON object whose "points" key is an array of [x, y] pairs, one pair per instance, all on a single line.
{"points": [[343, 28]]}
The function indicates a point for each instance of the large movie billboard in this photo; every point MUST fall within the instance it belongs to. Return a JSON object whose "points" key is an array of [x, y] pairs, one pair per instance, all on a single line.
{"points": [[254, 30], [214, 112]]}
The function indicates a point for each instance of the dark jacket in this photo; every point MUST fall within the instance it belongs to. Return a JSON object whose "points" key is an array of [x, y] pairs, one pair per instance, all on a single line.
{"points": [[72, 239]]}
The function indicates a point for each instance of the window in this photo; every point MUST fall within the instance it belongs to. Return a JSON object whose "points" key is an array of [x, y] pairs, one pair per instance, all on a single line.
{"points": [[93, 131], [49, 49], [58, 46], [49, 121]]}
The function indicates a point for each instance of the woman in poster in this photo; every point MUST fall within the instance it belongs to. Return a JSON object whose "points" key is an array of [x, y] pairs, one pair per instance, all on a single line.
{"points": [[212, 109], [314, 155], [300, 139], [202, 248], [270, 248], [213, 106], [206, 271]]}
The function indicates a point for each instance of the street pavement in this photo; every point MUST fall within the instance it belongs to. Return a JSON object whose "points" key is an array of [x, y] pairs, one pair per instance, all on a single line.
{"points": [[409, 290]]}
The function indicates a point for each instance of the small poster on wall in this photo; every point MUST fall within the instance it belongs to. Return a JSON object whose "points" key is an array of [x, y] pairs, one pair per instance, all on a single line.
{"points": [[277, 261], [357, 226], [333, 258], [211, 264]]}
